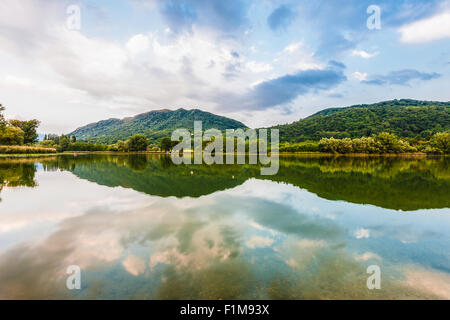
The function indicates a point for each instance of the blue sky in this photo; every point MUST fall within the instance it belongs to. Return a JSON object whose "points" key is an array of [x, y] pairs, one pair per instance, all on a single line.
{"points": [[261, 62]]}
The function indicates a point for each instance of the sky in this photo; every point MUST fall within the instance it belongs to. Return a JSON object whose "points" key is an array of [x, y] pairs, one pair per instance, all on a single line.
{"points": [[70, 63]]}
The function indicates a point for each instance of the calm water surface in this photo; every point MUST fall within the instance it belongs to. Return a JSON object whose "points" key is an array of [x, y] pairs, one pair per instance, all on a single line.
{"points": [[142, 228]]}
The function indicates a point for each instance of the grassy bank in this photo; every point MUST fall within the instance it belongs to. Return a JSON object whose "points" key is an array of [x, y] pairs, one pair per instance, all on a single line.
{"points": [[25, 150]]}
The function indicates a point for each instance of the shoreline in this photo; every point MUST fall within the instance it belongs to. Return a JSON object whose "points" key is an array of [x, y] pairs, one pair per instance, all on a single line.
{"points": [[413, 155]]}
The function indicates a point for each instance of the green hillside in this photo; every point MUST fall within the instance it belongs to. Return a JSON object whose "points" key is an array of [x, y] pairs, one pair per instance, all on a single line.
{"points": [[153, 124], [404, 118]]}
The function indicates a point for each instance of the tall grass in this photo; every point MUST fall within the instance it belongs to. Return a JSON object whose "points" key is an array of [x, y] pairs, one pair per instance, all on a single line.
{"points": [[25, 150]]}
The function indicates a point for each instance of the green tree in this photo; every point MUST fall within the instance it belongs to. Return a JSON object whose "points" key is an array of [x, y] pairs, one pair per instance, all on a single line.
{"points": [[29, 128], [73, 139], [441, 142], [389, 143], [11, 136], [121, 146], [2, 118], [137, 143], [166, 144], [64, 142]]}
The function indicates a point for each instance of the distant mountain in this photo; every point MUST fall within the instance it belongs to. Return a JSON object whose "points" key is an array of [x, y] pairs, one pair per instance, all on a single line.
{"points": [[154, 124], [405, 118]]}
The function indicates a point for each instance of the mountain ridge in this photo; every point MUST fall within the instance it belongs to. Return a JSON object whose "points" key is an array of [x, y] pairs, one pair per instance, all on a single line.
{"points": [[154, 124], [403, 117]]}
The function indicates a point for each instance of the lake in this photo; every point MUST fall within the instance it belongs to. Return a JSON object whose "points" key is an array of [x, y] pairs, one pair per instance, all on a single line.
{"points": [[140, 227]]}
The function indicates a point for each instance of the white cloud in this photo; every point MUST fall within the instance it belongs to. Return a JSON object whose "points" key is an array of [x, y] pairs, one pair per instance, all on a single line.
{"points": [[138, 43], [361, 76], [297, 56], [426, 30], [145, 72], [258, 67], [364, 54]]}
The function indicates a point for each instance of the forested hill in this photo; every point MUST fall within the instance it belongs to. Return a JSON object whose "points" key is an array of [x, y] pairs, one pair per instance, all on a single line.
{"points": [[405, 118], [153, 124]]}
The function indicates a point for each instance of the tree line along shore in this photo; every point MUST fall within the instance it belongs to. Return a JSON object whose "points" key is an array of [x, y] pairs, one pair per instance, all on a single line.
{"points": [[20, 137]]}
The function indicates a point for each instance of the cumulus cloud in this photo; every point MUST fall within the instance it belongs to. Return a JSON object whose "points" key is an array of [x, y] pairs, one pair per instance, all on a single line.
{"points": [[429, 29], [139, 74], [401, 77], [281, 17]]}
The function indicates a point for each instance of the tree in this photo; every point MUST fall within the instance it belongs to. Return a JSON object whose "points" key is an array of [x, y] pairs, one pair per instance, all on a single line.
{"points": [[121, 146], [441, 142], [63, 143], [166, 144], [73, 139], [11, 136], [388, 142], [137, 143], [2, 118], [29, 128], [47, 143]]}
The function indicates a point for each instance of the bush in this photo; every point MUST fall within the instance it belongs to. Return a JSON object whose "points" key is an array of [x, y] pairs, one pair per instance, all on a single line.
{"points": [[86, 146], [47, 144], [381, 143], [307, 146]]}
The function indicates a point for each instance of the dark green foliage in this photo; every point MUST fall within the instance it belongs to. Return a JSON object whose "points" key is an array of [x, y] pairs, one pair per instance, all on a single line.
{"points": [[137, 143], [404, 118], [64, 142], [154, 125], [307, 146], [85, 146], [166, 144]]}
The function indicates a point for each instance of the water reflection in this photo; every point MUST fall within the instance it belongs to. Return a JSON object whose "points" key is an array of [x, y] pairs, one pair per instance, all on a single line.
{"points": [[219, 232], [395, 183]]}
